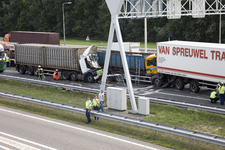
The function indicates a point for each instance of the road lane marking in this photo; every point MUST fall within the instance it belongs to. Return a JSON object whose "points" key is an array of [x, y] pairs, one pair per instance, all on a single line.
{"points": [[69, 126], [17, 144], [5, 148], [21, 139]]}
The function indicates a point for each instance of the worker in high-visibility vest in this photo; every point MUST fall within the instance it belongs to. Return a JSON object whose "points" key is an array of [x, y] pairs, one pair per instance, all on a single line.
{"points": [[95, 103], [88, 105], [221, 92], [213, 96], [7, 61], [56, 75], [40, 73]]}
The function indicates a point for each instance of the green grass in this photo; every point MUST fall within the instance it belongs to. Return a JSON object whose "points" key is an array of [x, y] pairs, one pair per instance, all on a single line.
{"points": [[99, 43], [169, 115]]}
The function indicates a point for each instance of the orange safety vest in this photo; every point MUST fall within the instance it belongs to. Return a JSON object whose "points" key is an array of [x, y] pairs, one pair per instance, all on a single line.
{"points": [[55, 76]]}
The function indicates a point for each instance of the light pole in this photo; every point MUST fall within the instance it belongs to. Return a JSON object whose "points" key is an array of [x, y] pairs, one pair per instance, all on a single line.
{"points": [[64, 21]]}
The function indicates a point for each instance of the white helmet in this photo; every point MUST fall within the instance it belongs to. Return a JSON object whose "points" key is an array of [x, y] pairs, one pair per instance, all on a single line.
{"points": [[39, 66], [56, 70], [1, 48]]}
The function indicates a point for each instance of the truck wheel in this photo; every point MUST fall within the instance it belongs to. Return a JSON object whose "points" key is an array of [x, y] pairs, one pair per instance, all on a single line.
{"points": [[73, 76], [157, 82], [194, 86], [22, 69], [89, 78], [30, 70], [35, 71], [179, 83], [65, 75]]}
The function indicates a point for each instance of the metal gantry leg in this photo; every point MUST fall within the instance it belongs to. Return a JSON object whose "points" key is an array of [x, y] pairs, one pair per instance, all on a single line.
{"points": [[114, 7]]}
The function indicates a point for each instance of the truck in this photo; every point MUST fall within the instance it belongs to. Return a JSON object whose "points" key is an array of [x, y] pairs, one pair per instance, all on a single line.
{"points": [[176, 64], [198, 64], [2, 59], [23, 37], [140, 65], [20, 37], [73, 62]]}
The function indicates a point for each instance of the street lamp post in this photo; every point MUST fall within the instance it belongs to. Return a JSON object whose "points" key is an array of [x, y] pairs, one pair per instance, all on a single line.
{"points": [[64, 21]]}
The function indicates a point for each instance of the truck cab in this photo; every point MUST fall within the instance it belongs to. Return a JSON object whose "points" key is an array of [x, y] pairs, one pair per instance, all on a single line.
{"points": [[2, 59], [151, 64]]}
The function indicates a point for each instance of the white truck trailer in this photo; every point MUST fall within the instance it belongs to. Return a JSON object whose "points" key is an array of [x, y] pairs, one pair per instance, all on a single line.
{"points": [[74, 62], [196, 63]]}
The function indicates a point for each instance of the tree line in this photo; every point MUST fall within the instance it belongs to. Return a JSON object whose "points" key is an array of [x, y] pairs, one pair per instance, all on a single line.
{"points": [[92, 17]]}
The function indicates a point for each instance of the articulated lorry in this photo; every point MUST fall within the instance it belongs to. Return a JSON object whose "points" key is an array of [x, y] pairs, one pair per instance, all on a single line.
{"points": [[139, 64], [176, 64], [195, 63], [74, 62]]}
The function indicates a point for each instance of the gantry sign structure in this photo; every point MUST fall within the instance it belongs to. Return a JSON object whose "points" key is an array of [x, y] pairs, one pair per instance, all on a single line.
{"points": [[172, 9]]}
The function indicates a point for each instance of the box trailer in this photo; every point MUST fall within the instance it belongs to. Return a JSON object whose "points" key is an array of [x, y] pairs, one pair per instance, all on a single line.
{"points": [[196, 63], [74, 62], [23, 37]]}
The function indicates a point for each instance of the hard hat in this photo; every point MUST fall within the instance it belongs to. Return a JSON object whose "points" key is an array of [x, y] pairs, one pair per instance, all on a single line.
{"points": [[39, 66], [56, 70]]}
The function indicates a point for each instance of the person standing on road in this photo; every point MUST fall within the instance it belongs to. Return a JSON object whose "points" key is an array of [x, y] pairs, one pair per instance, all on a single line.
{"points": [[213, 96], [96, 103], [7, 61], [40, 73], [88, 109], [221, 91], [101, 98]]}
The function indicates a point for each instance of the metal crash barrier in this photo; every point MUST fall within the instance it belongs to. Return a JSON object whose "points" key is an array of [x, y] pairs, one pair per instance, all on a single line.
{"points": [[126, 120]]}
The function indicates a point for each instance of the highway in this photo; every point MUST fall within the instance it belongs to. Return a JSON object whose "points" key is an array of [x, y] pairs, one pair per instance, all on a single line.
{"points": [[143, 89], [26, 131]]}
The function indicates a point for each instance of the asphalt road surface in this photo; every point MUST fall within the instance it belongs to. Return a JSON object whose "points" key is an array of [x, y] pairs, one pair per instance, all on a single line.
{"points": [[143, 89], [26, 131]]}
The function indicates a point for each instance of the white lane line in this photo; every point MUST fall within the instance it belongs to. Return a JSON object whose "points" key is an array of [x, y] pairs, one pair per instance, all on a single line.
{"points": [[18, 138], [49, 121], [5, 148], [17, 145]]}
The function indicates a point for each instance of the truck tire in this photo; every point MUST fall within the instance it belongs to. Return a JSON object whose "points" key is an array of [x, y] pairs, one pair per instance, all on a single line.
{"points": [[22, 69], [30, 70], [89, 78], [65, 75], [73, 76], [179, 84], [35, 71], [194, 86], [157, 82]]}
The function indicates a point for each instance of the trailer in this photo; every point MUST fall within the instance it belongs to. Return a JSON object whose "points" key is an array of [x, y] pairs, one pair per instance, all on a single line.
{"points": [[140, 65], [195, 63], [74, 62], [23, 37]]}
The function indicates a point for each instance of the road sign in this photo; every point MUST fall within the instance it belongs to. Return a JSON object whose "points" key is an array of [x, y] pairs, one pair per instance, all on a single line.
{"points": [[87, 38]]}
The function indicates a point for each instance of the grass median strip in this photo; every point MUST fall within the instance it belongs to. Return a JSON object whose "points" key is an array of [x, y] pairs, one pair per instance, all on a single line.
{"points": [[200, 121]]}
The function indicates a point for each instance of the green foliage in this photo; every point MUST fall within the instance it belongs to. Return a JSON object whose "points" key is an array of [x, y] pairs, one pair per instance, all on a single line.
{"points": [[85, 17]]}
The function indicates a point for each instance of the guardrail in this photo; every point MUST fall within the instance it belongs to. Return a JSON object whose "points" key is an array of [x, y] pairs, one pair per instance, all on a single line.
{"points": [[153, 100], [126, 120]]}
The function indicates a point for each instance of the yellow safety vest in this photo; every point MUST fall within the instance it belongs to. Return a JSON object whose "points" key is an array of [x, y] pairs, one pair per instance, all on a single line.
{"points": [[88, 104], [95, 103], [7, 59], [213, 94], [221, 90]]}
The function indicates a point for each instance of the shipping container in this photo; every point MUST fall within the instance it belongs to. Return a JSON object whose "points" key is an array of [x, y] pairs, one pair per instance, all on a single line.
{"points": [[23, 37], [67, 59]]}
